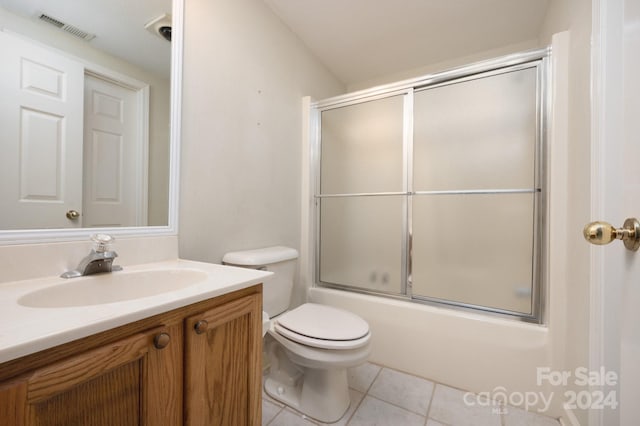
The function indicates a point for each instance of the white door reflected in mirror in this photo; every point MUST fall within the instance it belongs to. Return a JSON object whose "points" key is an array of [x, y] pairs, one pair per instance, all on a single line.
{"points": [[41, 122], [114, 176], [113, 172]]}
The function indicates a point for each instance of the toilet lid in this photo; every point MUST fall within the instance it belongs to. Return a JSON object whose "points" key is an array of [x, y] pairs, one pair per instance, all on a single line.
{"points": [[324, 323]]}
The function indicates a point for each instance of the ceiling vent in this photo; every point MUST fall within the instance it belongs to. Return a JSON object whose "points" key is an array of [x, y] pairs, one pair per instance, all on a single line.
{"points": [[160, 26], [75, 31]]}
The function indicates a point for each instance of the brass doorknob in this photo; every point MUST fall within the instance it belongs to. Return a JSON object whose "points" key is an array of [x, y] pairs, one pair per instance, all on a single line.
{"points": [[602, 233], [161, 340], [73, 215]]}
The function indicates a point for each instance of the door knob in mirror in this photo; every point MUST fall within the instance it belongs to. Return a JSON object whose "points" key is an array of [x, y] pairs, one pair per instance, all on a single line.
{"points": [[73, 215]]}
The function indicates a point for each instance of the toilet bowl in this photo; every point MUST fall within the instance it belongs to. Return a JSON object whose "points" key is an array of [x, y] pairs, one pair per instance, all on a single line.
{"points": [[308, 348]]}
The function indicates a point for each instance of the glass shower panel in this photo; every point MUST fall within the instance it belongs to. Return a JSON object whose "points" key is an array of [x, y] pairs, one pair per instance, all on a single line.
{"points": [[476, 134], [475, 249], [361, 242], [361, 147]]}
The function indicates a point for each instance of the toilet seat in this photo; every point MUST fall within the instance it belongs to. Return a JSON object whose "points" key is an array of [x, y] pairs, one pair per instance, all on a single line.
{"points": [[324, 327]]}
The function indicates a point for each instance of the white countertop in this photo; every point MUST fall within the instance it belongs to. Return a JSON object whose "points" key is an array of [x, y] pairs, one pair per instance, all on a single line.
{"points": [[26, 330]]}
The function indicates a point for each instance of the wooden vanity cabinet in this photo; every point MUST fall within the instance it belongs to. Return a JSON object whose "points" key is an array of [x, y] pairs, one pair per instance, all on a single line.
{"points": [[197, 365]]}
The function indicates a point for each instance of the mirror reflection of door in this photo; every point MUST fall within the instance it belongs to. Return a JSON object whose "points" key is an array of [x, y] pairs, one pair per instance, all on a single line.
{"points": [[115, 190], [50, 165], [135, 57], [41, 125]]}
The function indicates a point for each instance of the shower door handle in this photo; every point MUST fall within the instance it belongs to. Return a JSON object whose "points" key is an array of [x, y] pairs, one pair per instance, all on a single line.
{"points": [[601, 233]]}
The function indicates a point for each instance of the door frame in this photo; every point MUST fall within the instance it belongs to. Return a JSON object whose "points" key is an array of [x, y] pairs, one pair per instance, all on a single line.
{"points": [[606, 139]]}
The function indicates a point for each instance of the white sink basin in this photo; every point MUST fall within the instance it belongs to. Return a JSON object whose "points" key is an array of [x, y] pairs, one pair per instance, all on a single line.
{"points": [[111, 287]]}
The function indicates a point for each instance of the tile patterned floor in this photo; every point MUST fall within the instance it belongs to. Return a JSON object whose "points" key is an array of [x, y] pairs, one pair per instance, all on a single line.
{"points": [[381, 396]]}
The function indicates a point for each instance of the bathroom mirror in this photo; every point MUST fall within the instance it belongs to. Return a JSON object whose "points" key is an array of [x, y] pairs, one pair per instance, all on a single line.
{"points": [[91, 126]]}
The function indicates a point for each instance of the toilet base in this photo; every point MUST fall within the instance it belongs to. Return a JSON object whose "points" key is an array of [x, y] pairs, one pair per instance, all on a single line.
{"points": [[322, 394]]}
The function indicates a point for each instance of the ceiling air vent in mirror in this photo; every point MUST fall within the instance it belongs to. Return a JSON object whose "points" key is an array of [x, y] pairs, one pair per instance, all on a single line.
{"points": [[160, 26], [75, 31]]}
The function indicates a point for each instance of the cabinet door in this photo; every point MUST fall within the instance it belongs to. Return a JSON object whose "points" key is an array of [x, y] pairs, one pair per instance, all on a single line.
{"points": [[223, 364], [134, 381]]}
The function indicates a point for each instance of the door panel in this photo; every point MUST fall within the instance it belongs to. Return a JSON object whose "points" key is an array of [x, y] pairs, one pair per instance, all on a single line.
{"points": [[223, 365], [109, 399], [129, 382], [13, 396], [615, 189], [41, 149], [362, 147], [630, 318], [41, 118], [453, 260], [477, 134], [114, 158], [350, 253]]}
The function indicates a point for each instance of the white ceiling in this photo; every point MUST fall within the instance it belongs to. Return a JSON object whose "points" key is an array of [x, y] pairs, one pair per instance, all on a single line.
{"points": [[359, 40], [117, 24]]}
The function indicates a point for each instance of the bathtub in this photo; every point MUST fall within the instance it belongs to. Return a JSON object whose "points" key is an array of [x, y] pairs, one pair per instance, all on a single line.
{"points": [[461, 349]]}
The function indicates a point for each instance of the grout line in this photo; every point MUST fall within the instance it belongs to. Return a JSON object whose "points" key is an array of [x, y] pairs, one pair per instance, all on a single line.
{"points": [[395, 405], [365, 393], [374, 379], [356, 408], [433, 394], [277, 414], [302, 415]]}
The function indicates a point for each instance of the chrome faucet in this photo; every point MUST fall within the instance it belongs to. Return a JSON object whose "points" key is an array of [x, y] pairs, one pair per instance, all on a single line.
{"points": [[100, 259]]}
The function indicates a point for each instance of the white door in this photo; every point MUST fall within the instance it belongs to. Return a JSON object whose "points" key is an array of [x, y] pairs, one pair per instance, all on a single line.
{"points": [[630, 196], [616, 195], [40, 136], [114, 156]]}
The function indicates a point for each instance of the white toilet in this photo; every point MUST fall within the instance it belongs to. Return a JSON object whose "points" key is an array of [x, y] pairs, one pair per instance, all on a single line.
{"points": [[308, 348]]}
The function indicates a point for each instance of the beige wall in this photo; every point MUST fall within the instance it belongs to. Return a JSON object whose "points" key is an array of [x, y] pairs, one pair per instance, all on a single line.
{"points": [[245, 75], [159, 101]]}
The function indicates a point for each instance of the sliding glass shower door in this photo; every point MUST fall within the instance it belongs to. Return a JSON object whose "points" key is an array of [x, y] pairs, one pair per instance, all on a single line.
{"points": [[361, 209], [434, 192], [474, 186]]}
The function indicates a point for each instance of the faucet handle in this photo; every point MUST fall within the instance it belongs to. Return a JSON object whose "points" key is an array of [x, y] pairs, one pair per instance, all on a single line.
{"points": [[102, 242]]}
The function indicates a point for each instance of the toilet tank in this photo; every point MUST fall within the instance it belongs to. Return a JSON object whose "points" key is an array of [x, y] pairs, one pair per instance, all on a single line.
{"points": [[277, 289]]}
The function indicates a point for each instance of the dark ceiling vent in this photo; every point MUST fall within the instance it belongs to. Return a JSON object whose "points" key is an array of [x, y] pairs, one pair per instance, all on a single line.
{"points": [[165, 32], [73, 30], [160, 26]]}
